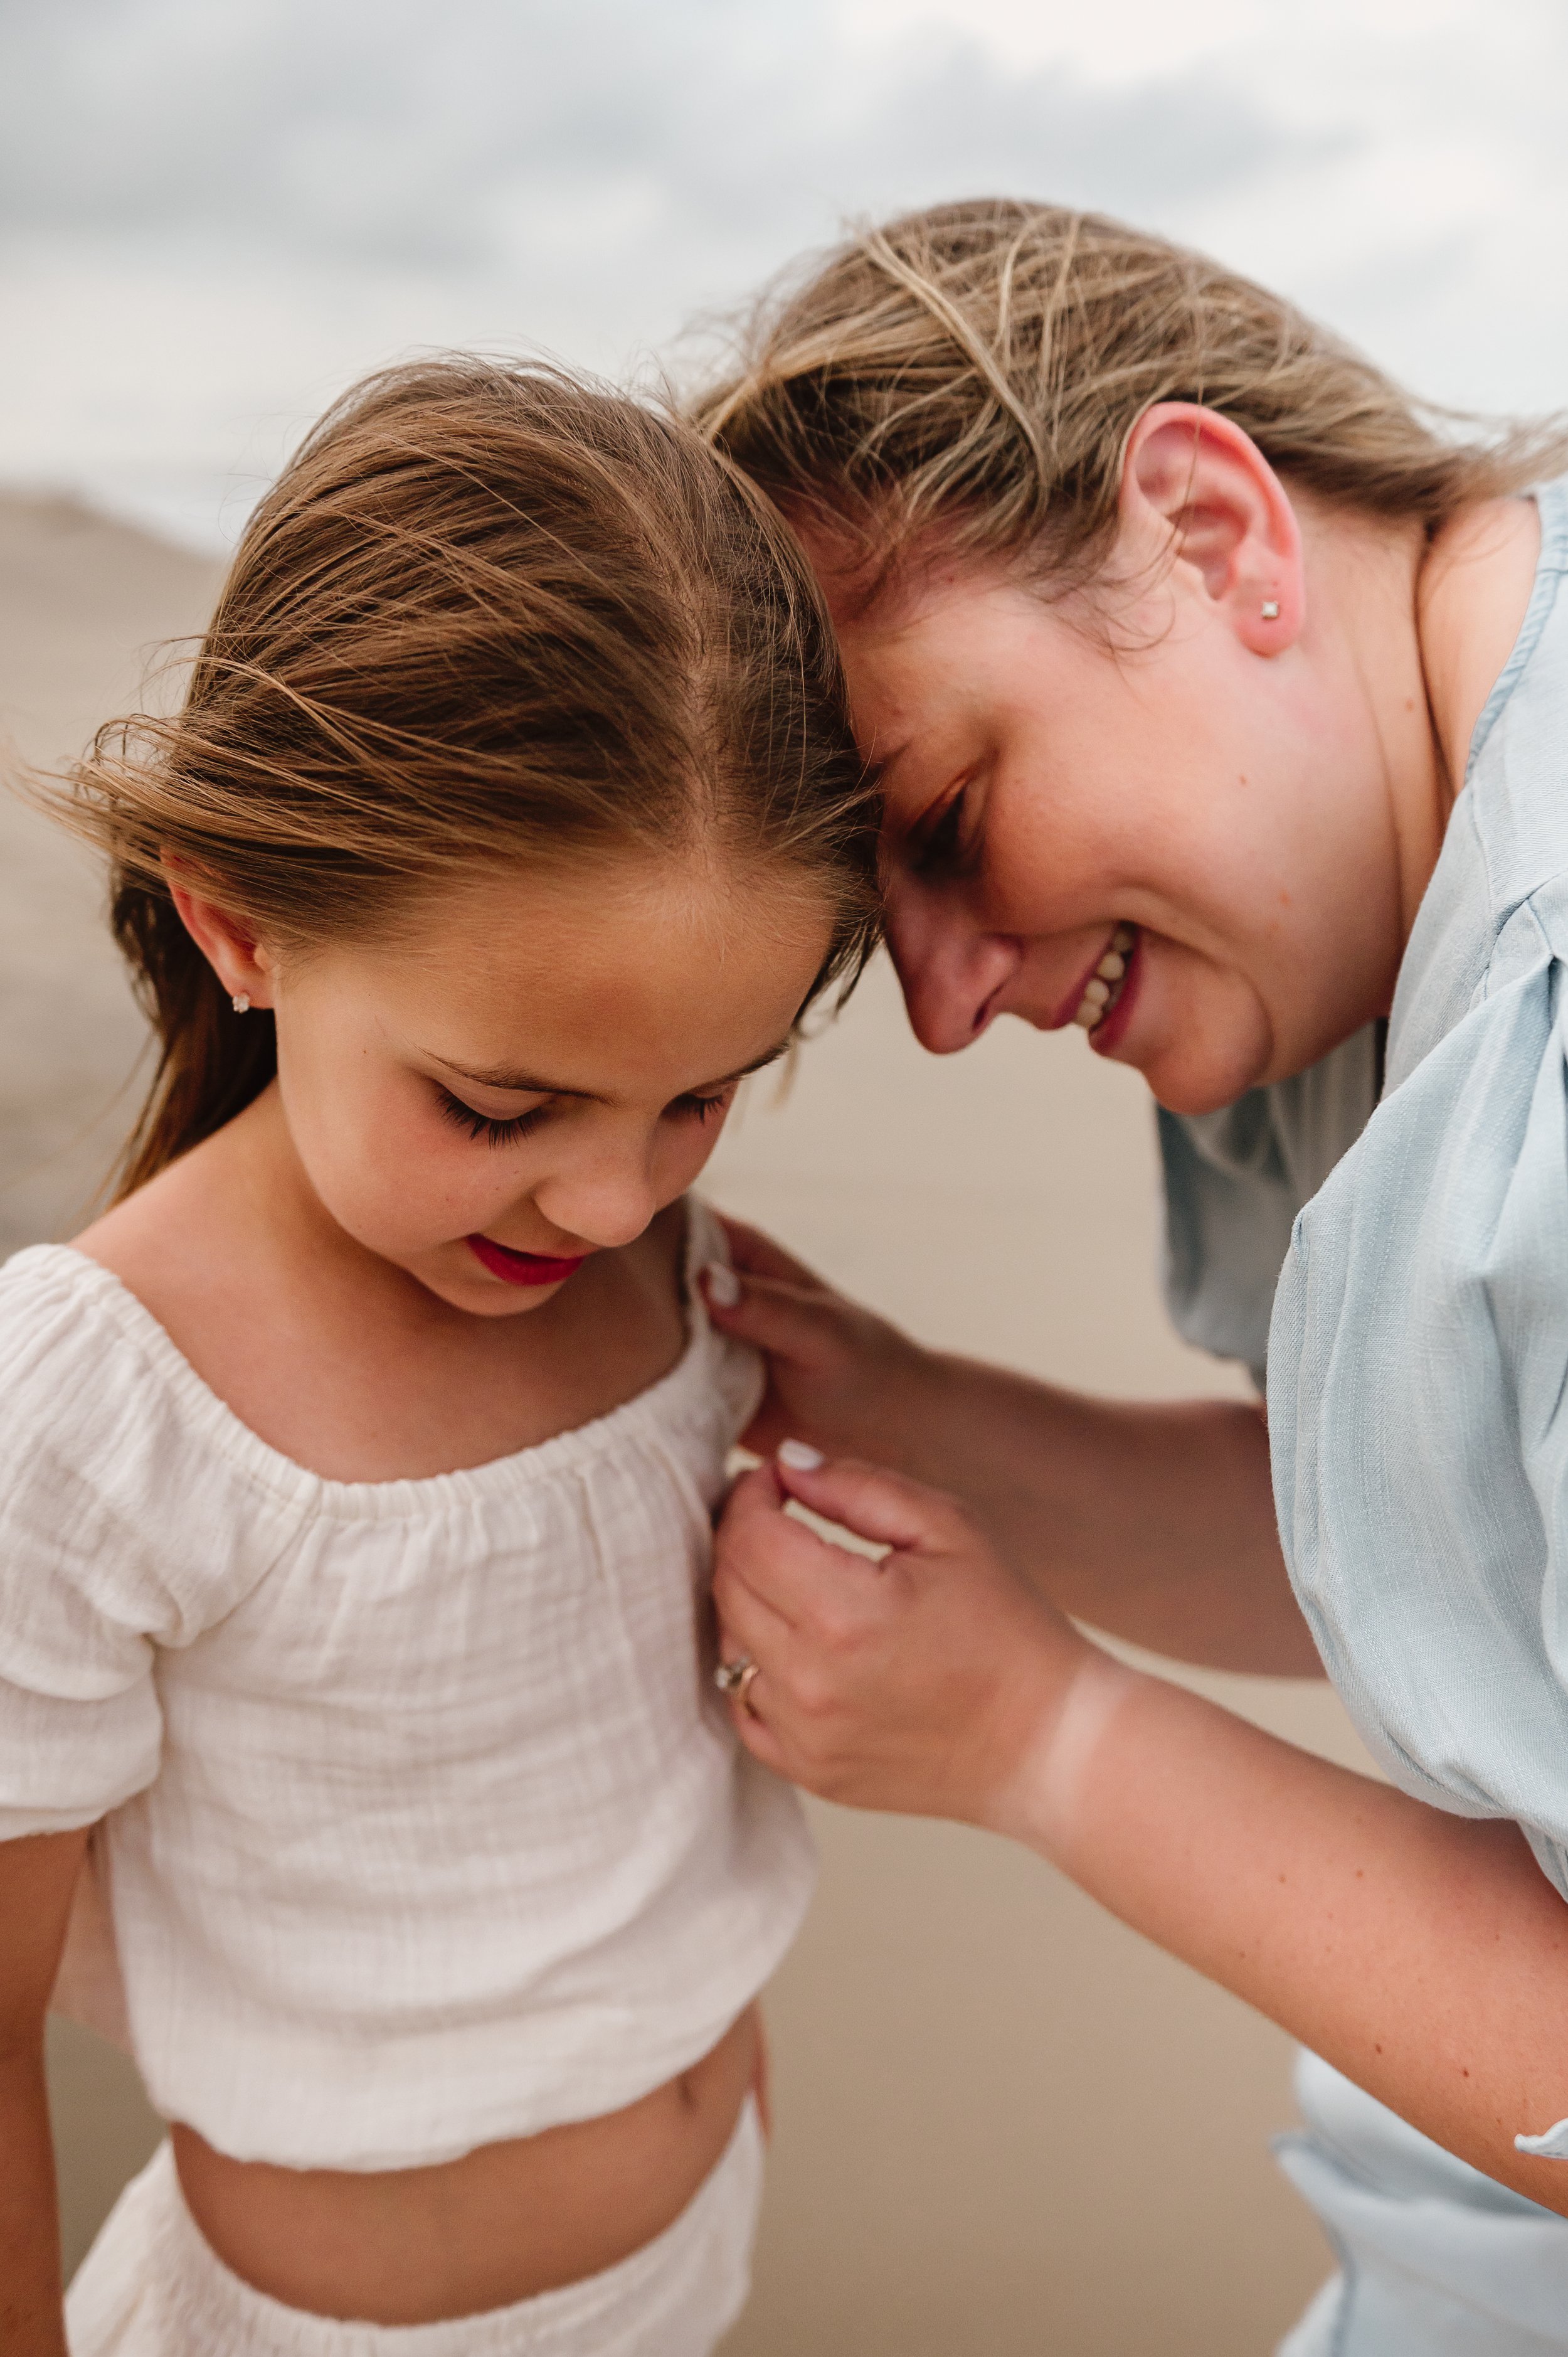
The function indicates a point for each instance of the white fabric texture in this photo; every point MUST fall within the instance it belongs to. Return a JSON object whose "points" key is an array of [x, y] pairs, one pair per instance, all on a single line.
{"points": [[151, 2286], [424, 1827]]}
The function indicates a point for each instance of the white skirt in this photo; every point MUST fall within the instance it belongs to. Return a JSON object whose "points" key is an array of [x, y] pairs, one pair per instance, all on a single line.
{"points": [[151, 2286]]}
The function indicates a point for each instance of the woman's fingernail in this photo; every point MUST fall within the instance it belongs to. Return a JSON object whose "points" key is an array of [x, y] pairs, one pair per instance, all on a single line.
{"points": [[800, 1456], [724, 1285]]}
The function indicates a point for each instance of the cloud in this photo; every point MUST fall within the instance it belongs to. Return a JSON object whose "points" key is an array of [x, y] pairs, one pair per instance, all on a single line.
{"points": [[611, 156], [390, 131], [214, 216]]}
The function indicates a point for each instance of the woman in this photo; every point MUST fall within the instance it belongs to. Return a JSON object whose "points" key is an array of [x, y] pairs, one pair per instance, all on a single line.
{"points": [[1221, 705]]}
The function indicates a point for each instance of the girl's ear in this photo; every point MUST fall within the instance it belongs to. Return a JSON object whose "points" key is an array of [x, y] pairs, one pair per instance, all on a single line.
{"points": [[1192, 477], [239, 961]]}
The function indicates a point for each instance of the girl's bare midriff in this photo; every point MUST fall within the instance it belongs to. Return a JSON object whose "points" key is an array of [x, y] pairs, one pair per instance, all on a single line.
{"points": [[417, 2245]]}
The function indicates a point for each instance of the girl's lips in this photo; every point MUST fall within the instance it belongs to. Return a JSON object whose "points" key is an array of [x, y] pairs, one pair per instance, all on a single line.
{"points": [[521, 1268]]}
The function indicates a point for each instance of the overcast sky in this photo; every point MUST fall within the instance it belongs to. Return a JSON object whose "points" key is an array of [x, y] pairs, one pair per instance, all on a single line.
{"points": [[214, 214]]}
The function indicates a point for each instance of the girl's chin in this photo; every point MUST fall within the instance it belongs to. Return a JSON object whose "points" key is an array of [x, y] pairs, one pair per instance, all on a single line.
{"points": [[476, 1295]]}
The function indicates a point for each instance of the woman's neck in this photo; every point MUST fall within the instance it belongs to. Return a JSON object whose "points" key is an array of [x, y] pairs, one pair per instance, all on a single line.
{"points": [[1419, 634], [1472, 592]]}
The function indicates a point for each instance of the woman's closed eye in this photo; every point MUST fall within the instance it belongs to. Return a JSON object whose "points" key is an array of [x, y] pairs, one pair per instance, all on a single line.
{"points": [[939, 848]]}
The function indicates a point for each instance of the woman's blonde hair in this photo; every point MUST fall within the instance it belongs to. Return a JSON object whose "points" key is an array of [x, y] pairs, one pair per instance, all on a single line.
{"points": [[969, 376], [486, 613]]}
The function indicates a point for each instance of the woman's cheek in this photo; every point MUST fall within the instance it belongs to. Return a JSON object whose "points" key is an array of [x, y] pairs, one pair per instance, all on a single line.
{"points": [[1200, 1036]]}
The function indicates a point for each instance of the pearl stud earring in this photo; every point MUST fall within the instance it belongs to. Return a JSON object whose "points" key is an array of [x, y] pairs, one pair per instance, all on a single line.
{"points": [[240, 1002], [1270, 609]]}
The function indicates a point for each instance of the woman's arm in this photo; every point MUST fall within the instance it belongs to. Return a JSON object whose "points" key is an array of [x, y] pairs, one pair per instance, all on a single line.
{"points": [[1425, 1955], [38, 1876], [1155, 1523]]}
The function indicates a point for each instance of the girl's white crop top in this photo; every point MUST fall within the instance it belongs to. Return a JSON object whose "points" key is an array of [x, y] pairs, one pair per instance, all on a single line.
{"points": [[425, 1826]]}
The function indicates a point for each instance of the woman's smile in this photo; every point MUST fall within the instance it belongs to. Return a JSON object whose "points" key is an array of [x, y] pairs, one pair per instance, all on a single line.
{"points": [[1104, 988]]}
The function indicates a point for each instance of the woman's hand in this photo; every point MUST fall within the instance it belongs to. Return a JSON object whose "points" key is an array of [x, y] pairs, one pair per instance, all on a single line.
{"points": [[837, 1374], [1154, 1523], [932, 1682]]}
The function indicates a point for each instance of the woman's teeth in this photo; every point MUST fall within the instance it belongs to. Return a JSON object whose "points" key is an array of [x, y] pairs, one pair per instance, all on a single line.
{"points": [[1102, 993]]}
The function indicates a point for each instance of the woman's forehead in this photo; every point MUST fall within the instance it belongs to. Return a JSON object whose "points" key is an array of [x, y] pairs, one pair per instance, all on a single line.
{"points": [[949, 661]]}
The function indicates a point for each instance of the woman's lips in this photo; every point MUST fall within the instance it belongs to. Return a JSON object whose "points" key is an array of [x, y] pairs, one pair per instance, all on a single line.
{"points": [[521, 1268], [1103, 976], [1108, 1033]]}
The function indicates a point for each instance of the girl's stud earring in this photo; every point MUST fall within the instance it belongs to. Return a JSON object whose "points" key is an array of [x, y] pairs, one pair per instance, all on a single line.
{"points": [[240, 1002], [1270, 609]]}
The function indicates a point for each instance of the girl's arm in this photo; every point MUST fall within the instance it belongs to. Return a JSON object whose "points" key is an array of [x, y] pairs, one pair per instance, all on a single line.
{"points": [[1153, 1523], [1423, 1955], [38, 1876]]}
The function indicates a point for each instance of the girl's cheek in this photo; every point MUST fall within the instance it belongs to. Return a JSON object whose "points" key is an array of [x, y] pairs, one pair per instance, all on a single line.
{"points": [[694, 1152]]}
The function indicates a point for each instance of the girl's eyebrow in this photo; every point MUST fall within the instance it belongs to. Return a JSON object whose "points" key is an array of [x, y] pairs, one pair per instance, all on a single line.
{"points": [[531, 1084]]}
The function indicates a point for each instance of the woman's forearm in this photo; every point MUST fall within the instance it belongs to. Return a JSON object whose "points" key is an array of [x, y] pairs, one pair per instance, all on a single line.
{"points": [[1154, 1523], [1425, 1955]]}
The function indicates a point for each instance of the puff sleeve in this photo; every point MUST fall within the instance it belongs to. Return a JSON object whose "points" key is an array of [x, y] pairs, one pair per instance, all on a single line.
{"points": [[96, 1564], [1419, 1413]]}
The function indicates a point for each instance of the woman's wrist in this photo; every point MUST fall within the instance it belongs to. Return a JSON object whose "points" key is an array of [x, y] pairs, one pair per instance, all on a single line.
{"points": [[1041, 1802]]}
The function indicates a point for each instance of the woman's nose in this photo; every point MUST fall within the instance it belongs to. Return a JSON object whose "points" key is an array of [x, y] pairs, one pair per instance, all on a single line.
{"points": [[950, 970]]}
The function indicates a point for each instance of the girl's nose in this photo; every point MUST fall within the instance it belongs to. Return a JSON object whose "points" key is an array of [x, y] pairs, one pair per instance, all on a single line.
{"points": [[951, 971], [605, 1201]]}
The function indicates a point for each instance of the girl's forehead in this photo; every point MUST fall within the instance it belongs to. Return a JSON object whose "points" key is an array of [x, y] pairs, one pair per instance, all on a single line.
{"points": [[691, 965], [610, 901]]}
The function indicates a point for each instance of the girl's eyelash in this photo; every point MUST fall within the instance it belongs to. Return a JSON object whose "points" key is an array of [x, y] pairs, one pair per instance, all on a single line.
{"points": [[495, 1132], [486, 1125], [705, 1108]]}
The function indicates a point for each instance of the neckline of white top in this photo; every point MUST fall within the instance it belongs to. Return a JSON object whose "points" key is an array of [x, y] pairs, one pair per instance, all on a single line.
{"points": [[564, 1452]]}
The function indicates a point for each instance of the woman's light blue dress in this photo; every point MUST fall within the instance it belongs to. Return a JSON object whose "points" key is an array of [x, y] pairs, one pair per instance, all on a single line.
{"points": [[1417, 1379]]}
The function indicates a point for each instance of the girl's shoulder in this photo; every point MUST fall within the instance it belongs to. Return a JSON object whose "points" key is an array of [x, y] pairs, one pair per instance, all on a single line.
{"points": [[104, 1446], [94, 1390], [63, 1335]]}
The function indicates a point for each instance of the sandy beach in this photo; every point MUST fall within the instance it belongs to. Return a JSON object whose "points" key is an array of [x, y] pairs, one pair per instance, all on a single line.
{"points": [[1005, 2125]]}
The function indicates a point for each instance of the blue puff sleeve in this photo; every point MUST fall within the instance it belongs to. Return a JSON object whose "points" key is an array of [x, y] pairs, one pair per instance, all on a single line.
{"points": [[1418, 1373]]}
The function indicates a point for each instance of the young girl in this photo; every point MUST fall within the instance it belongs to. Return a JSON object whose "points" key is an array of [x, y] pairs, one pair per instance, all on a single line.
{"points": [[357, 1466]]}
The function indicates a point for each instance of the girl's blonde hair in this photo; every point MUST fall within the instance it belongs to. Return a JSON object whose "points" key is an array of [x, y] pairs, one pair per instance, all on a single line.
{"points": [[488, 612], [969, 376]]}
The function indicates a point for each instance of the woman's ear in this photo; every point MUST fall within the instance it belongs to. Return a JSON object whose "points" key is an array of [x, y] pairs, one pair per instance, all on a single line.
{"points": [[1198, 487], [239, 961]]}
